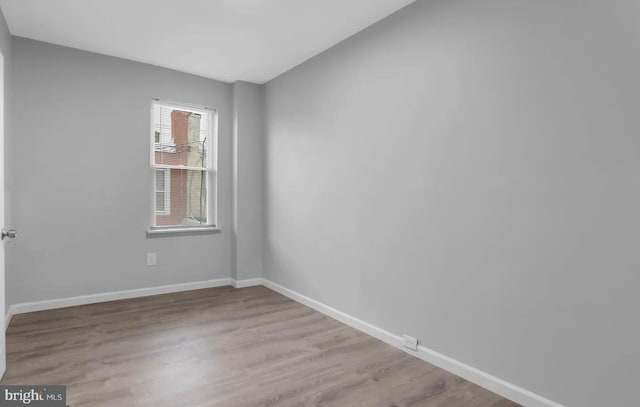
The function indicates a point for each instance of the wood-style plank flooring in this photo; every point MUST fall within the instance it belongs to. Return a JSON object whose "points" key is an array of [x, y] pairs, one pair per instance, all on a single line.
{"points": [[221, 347]]}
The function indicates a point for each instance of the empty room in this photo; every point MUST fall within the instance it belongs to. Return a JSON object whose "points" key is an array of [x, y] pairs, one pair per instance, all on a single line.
{"points": [[278, 203]]}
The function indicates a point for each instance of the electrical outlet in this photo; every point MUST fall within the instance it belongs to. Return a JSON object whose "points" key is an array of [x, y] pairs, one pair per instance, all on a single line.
{"points": [[410, 342], [152, 259]]}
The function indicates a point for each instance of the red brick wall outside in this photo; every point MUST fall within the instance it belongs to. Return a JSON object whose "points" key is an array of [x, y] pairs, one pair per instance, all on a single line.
{"points": [[178, 178]]}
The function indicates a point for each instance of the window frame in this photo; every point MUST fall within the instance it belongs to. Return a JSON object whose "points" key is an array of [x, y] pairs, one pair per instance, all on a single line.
{"points": [[210, 170]]}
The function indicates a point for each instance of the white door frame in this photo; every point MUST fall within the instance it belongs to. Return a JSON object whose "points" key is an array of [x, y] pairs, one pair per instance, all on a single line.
{"points": [[3, 359]]}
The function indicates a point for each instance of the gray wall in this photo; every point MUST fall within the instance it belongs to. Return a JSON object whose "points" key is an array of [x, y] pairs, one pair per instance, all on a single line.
{"points": [[466, 172], [5, 48], [81, 178], [248, 134]]}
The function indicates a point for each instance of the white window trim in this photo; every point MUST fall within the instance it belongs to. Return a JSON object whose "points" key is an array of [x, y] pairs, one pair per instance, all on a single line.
{"points": [[166, 191], [211, 169]]}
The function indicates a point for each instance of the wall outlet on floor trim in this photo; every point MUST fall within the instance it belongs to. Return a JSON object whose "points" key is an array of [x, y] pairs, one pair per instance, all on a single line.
{"points": [[410, 342], [152, 259]]}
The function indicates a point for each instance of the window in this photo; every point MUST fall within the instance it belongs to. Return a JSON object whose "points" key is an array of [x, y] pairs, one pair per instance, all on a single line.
{"points": [[182, 145]]}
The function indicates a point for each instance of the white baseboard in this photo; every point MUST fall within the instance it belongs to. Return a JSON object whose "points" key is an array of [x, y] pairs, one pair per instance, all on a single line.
{"points": [[7, 318], [483, 379], [251, 282], [25, 307], [470, 373]]}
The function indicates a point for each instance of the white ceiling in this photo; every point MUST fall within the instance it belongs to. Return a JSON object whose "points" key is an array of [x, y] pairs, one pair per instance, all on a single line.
{"points": [[229, 40]]}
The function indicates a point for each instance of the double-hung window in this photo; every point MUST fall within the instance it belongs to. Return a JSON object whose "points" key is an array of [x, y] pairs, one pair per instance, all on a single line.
{"points": [[183, 142]]}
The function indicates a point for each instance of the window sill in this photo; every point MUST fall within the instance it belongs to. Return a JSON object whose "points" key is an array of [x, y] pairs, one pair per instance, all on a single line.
{"points": [[204, 230]]}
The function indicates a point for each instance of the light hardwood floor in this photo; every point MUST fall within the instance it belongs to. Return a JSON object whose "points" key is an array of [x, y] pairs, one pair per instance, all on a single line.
{"points": [[221, 347]]}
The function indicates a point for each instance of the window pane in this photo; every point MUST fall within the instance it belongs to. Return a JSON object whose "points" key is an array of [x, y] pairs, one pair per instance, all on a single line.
{"points": [[186, 201], [183, 136], [160, 180], [160, 202], [162, 128]]}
